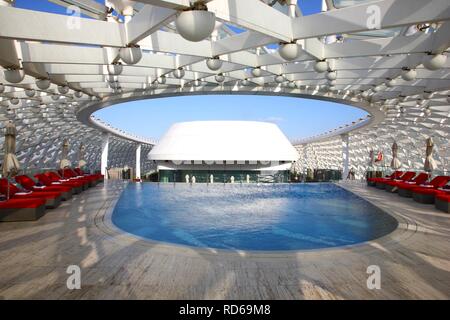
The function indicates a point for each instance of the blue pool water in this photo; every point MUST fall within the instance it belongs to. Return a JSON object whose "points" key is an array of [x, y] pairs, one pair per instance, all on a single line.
{"points": [[250, 217]]}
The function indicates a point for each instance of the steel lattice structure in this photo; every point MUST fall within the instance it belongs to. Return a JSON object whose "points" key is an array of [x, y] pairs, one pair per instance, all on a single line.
{"points": [[388, 57]]}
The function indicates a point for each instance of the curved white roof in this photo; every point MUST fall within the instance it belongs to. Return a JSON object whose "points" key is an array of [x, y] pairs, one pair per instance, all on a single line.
{"points": [[224, 141]]}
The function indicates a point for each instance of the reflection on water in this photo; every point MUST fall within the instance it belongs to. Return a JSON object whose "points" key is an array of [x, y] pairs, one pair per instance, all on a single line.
{"points": [[250, 217]]}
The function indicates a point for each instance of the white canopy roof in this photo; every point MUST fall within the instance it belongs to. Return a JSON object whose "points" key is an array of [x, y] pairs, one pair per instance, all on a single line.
{"points": [[224, 140]]}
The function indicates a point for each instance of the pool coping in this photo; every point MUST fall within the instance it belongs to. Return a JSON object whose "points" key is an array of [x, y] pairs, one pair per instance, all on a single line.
{"points": [[103, 220]]}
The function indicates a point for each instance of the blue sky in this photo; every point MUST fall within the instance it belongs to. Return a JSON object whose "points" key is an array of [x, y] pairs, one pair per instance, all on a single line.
{"points": [[308, 6], [296, 117], [44, 5]]}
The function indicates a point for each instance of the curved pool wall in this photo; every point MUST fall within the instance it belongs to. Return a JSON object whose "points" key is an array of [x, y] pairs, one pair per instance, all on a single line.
{"points": [[267, 217]]}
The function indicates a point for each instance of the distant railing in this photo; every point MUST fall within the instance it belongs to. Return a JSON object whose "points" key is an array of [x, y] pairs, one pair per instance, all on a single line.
{"points": [[334, 132], [121, 133]]}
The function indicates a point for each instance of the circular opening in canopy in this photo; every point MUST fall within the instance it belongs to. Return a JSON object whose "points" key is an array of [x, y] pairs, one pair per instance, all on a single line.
{"points": [[296, 117]]}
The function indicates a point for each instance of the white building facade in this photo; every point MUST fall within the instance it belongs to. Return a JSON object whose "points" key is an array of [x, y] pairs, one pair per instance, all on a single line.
{"points": [[224, 151]]}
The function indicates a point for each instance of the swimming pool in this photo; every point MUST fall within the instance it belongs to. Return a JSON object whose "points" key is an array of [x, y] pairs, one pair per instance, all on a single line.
{"points": [[250, 217]]}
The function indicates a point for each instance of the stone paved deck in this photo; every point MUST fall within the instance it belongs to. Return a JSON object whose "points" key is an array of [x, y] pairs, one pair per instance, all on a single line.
{"points": [[414, 259]]}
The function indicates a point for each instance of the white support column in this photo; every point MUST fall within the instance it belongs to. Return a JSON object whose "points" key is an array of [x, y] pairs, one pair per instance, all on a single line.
{"points": [[292, 6], [105, 150], [345, 155], [324, 6], [138, 161]]}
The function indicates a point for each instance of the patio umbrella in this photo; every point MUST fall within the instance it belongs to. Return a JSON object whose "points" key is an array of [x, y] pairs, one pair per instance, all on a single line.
{"points": [[395, 163], [11, 165], [81, 161], [371, 158], [65, 152], [430, 164]]}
